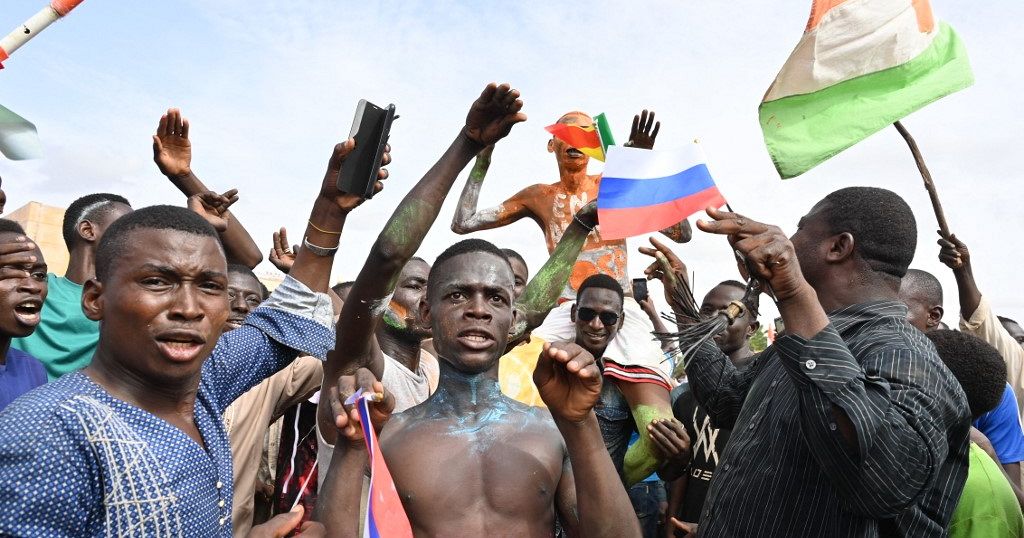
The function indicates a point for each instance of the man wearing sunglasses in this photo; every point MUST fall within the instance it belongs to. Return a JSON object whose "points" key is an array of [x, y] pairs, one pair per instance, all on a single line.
{"points": [[632, 396]]}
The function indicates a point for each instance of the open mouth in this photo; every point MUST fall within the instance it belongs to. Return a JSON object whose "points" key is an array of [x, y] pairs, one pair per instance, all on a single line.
{"points": [[235, 322], [476, 339], [180, 345], [573, 152], [28, 311], [594, 336]]}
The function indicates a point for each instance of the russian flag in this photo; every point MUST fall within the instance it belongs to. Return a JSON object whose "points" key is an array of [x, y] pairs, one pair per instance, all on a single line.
{"points": [[385, 515], [644, 191]]}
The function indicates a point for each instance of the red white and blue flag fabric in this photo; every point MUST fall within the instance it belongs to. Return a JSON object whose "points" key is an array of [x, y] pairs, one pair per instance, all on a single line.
{"points": [[385, 516], [644, 191]]}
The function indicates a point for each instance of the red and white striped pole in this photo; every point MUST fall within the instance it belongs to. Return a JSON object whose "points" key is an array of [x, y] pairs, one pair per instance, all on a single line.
{"points": [[37, 23]]}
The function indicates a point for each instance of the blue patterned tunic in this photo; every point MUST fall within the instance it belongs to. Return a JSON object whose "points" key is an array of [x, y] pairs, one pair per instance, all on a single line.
{"points": [[76, 461]]}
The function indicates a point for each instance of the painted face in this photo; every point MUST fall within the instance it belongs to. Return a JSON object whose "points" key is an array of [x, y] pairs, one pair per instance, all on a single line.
{"points": [[1015, 331], [521, 276], [404, 311], [737, 335], [163, 306], [244, 295], [811, 245], [600, 306], [470, 310], [21, 298], [568, 157]]}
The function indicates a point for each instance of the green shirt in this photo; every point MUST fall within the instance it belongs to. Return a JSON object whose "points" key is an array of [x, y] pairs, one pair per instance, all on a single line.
{"points": [[988, 508], [65, 339]]}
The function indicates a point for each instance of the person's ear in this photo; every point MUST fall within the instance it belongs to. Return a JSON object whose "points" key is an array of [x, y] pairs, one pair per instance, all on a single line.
{"points": [[572, 313], [752, 328], [515, 318], [551, 145], [424, 311], [622, 319], [840, 247], [92, 299], [934, 316], [87, 231]]}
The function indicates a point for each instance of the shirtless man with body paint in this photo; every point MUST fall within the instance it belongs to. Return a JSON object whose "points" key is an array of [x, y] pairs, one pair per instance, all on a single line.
{"points": [[379, 328], [632, 361], [470, 461], [552, 206]]}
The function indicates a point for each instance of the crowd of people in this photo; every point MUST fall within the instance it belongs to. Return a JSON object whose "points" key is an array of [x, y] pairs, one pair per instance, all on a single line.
{"points": [[157, 388]]}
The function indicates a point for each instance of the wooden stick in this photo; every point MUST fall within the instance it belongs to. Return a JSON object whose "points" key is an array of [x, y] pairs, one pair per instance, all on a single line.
{"points": [[929, 185]]}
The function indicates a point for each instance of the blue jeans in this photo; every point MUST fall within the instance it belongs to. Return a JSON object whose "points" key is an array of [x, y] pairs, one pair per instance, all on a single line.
{"points": [[646, 498]]}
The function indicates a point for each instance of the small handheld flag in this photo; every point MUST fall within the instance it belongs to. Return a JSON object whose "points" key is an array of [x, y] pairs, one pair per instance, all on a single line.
{"points": [[385, 516], [860, 66], [604, 130], [583, 138], [645, 191]]}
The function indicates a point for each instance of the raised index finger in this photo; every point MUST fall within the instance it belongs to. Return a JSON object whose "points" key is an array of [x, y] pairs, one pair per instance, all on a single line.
{"points": [[726, 223]]}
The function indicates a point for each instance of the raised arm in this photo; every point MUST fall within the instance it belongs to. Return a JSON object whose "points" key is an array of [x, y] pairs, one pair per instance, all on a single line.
{"points": [[490, 118], [542, 292], [852, 410], [569, 382], [976, 316], [172, 152], [468, 219]]}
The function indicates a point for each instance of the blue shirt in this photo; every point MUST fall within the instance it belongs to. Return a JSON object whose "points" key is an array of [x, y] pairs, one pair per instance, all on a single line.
{"points": [[19, 374], [1002, 426], [76, 461]]}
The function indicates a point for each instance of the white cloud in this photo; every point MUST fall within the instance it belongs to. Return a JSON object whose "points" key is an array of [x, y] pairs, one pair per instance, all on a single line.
{"points": [[270, 86]]}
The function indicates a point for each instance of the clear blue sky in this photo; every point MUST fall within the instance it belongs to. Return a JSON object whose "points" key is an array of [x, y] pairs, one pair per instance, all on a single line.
{"points": [[270, 86]]}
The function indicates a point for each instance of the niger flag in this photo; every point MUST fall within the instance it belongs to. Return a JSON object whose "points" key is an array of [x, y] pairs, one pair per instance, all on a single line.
{"points": [[583, 138]]}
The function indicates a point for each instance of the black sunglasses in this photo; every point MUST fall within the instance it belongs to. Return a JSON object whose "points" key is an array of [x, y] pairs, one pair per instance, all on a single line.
{"points": [[588, 315]]}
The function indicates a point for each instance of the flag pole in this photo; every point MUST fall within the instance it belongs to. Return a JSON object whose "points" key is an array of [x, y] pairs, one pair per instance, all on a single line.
{"points": [[929, 185]]}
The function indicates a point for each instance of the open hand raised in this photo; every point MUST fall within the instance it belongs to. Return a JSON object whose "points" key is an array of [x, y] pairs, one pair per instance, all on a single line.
{"points": [[568, 380], [282, 255], [493, 114], [172, 150], [641, 135], [213, 207]]}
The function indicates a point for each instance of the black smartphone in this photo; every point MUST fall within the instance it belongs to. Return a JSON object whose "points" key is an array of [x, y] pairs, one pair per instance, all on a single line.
{"points": [[370, 128], [640, 289]]}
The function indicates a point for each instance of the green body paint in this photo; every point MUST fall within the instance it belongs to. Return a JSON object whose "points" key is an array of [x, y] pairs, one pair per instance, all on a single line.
{"points": [[400, 226], [542, 292], [480, 166], [640, 459]]}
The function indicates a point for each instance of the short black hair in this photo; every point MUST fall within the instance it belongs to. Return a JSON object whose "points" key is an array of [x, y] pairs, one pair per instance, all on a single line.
{"points": [[464, 247], [976, 365], [10, 226], [115, 241], [513, 255], [87, 208], [926, 283], [600, 281], [242, 269], [342, 286], [1004, 319], [733, 283], [882, 225]]}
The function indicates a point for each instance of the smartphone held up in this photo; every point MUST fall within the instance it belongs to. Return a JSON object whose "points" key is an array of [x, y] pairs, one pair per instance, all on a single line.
{"points": [[370, 128]]}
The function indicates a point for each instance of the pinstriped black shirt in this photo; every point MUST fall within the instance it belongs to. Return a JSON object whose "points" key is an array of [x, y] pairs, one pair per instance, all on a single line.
{"points": [[787, 470]]}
